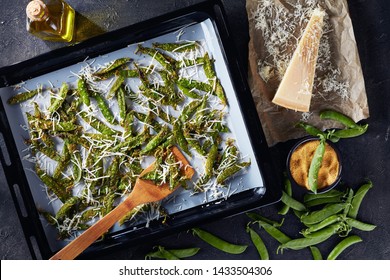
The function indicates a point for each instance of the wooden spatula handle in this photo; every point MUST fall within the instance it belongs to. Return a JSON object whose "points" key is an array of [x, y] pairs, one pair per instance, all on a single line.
{"points": [[82, 242]]}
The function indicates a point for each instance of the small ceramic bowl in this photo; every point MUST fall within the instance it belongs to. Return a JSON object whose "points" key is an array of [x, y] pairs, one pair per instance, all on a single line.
{"points": [[299, 159]]}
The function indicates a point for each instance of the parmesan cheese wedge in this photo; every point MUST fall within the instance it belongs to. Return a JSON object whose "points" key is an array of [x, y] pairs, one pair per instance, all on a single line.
{"points": [[295, 89]]}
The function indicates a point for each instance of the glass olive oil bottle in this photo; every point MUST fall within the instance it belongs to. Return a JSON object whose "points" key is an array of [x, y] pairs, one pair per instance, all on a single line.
{"points": [[51, 20]]}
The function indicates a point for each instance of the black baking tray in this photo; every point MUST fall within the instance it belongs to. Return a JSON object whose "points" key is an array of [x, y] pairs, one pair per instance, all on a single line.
{"points": [[111, 41]]}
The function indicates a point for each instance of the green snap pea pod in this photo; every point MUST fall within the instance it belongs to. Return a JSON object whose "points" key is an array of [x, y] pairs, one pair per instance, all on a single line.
{"points": [[159, 57], [316, 253], [310, 129], [179, 137], [219, 91], [322, 201], [75, 139], [108, 203], [113, 172], [348, 202], [24, 96], [315, 165], [83, 91], [274, 232], [288, 191], [128, 73], [117, 63], [47, 151], [118, 83], [77, 166], [176, 47], [98, 136], [148, 119], [194, 144], [189, 62], [359, 225], [184, 253], [344, 244], [320, 215], [219, 243], [231, 171], [159, 112], [168, 255], [58, 100], [127, 124], [300, 243], [189, 110], [358, 198], [156, 140], [351, 132], [188, 92], [293, 203], [121, 97], [337, 116], [104, 109], [324, 223], [64, 162], [259, 244], [132, 142], [56, 126], [332, 193], [208, 66], [67, 207], [88, 215], [211, 159], [97, 124], [194, 84], [256, 217], [53, 185]]}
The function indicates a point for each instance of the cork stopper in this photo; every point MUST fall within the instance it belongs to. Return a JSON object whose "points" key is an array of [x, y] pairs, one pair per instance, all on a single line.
{"points": [[36, 10]]}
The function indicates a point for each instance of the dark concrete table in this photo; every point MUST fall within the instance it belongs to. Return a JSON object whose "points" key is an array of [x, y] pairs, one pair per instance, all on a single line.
{"points": [[364, 157]]}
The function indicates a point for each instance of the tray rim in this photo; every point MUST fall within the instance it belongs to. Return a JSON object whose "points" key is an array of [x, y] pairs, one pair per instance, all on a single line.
{"points": [[101, 44]]}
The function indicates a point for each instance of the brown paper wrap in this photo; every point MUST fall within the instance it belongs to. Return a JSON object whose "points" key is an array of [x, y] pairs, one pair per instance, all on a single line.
{"points": [[279, 123]]}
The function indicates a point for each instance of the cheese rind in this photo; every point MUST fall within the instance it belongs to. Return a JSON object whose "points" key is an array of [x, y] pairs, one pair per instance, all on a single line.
{"points": [[295, 89]]}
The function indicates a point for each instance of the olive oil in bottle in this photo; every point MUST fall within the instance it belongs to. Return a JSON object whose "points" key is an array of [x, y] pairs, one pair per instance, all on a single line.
{"points": [[51, 20]]}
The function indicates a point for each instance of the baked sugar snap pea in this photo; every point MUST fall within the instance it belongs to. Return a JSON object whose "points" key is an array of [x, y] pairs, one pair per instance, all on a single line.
{"points": [[344, 244], [59, 99], [21, 97], [219, 243]]}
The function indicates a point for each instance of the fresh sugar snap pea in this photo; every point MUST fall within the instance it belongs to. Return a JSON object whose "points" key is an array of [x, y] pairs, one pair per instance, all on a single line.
{"points": [[256, 217], [274, 232], [344, 244], [358, 198], [172, 254], [315, 165], [340, 117], [293, 203], [320, 215], [259, 244], [316, 253], [219, 243], [351, 132], [288, 191], [300, 243], [360, 225], [332, 193]]}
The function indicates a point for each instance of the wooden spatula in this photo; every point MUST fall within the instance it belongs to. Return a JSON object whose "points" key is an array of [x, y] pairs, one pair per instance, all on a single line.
{"points": [[143, 192]]}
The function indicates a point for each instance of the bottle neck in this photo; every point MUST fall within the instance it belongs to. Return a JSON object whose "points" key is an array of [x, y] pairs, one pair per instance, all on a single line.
{"points": [[36, 10]]}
